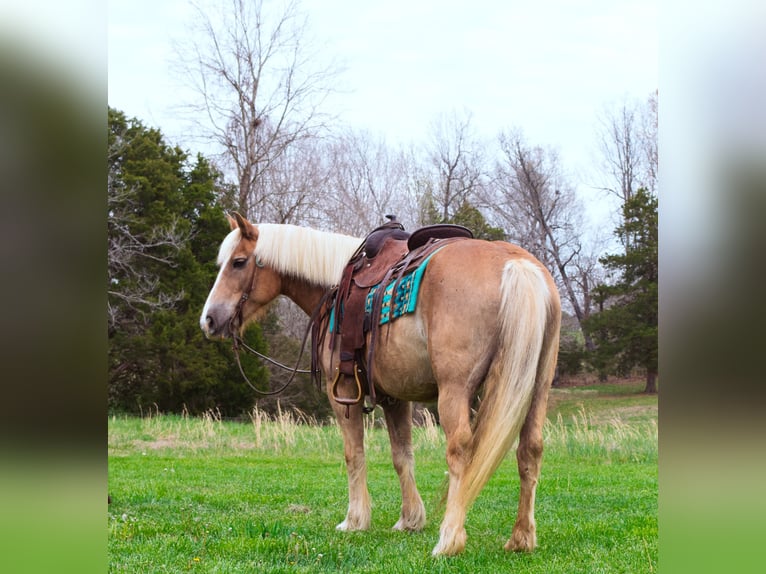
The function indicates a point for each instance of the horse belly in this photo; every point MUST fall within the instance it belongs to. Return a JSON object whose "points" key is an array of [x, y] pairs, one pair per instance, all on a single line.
{"points": [[402, 366]]}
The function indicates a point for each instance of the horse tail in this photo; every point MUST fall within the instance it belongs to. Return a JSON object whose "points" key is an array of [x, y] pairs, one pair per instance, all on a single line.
{"points": [[528, 332]]}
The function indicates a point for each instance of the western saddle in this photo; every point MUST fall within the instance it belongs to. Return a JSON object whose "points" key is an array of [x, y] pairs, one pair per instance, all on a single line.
{"points": [[387, 254]]}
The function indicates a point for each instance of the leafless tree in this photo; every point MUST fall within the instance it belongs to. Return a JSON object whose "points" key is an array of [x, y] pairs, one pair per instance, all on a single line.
{"points": [[650, 139], [367, 182], [456, 158], [260, 89], [627, 137], [586, 273], [532, 200], [297, 182]]}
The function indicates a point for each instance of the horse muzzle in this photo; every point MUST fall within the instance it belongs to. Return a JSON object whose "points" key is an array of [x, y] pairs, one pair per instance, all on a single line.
{"points": [[216, 323]]}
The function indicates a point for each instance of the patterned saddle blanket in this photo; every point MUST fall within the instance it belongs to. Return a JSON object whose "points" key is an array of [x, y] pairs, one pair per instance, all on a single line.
{"points": [[404, 300], [394, 306]]}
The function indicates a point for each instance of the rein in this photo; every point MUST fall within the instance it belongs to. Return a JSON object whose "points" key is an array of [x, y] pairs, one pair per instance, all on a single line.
{"points": [[238, 342]]}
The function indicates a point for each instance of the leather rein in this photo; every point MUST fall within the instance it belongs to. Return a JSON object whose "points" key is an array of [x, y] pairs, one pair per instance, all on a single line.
{"points": [[238, 343]]}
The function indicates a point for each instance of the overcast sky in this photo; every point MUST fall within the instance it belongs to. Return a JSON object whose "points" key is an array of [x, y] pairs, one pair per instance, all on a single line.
{"points": [[548, 67]]}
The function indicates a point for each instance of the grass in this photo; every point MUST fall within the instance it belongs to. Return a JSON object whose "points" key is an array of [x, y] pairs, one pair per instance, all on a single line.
{"points": [[206, 495]]}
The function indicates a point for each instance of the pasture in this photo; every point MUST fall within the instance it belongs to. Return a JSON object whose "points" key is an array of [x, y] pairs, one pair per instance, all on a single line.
{"points": [[264, 495]]}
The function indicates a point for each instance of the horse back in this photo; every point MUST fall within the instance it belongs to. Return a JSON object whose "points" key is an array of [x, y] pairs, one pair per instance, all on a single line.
{"points": [[455, 324]]}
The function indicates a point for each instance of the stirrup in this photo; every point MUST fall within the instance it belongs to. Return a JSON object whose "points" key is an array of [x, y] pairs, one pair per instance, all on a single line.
{"points": [[345, 400]]}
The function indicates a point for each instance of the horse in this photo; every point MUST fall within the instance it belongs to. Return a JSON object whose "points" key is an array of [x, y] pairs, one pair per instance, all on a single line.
{"points": [[487, 322]]}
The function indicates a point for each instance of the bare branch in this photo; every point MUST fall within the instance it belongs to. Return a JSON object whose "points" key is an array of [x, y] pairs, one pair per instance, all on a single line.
{"points": [[129, 279], [261, 90], [457, 161], [627, 139], [535, 204]]}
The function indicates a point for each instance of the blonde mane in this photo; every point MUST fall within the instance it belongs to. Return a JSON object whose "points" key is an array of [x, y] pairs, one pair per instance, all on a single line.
{"points": [[316, 256]]}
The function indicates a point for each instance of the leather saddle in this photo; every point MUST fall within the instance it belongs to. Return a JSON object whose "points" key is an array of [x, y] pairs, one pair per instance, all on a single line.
{"points": [[386, 255]]}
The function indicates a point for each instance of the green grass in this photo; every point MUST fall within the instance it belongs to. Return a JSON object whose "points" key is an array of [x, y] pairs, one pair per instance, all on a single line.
{"points": [[205, 495]]}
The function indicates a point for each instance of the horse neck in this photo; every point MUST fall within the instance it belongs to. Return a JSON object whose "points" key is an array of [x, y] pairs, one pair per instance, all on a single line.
{"points": [[304, 294]]}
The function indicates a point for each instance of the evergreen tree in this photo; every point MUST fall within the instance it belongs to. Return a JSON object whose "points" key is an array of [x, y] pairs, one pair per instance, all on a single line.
{"points": [[469, 216], [625, 329], [466, 215], [165, 224]]}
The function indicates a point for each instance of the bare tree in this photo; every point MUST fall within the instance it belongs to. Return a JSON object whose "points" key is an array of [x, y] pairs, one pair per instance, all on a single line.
{"points": [[367, 182], [296, 184], [586, 273], [619, 151], [533, 201], [260, 90], [649, 141], [457, 160], [627, 137]]}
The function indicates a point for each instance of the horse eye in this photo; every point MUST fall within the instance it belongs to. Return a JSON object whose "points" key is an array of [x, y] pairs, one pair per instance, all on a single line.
{"points": [[239, 263]]}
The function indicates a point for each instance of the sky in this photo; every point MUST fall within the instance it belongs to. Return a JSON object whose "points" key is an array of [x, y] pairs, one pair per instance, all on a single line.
{"points": [[549, 67]]}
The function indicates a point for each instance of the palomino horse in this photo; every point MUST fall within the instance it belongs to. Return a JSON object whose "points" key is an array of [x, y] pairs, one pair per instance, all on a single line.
{"points": [[487, 317]]}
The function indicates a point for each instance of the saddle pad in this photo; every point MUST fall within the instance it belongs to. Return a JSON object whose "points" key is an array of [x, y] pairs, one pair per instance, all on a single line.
{"points": [[405, 299]]}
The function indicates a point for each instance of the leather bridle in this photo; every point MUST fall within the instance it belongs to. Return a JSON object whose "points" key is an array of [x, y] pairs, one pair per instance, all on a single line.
{"points": [[237, 315], [237, 342]]}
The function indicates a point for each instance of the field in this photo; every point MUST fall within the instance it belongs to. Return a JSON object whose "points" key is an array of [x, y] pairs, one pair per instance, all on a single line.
{"points": [[206, 495]]}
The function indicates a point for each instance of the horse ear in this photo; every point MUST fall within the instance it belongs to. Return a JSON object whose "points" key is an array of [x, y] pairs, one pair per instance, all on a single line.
{"points": [[232, 222], [245, 227]]}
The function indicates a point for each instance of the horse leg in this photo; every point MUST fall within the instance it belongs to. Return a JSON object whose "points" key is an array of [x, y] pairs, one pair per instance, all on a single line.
{"points": [[352, 429], [454, 416], [399, 423], [529, 456]]}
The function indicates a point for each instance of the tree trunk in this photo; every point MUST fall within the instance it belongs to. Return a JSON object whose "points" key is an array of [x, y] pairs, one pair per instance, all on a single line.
{"points": [[651, 383]]}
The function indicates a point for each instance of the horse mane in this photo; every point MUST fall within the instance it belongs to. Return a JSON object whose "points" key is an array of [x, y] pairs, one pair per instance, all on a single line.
{"points": [[316, 256]]}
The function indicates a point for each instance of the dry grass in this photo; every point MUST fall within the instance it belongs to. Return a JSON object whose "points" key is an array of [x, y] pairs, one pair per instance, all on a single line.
{"points": [[607, 437], [581, 422]]}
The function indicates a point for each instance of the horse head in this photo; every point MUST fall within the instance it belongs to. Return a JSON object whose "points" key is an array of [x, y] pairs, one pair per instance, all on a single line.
{"points": [[244, 286]]}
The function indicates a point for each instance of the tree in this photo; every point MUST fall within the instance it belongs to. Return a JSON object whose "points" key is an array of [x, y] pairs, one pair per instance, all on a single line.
{"points": [[572, 353], [625, 329], [367, 181], [456, 160], [259, 92], [469, 216], [536, 205], [139, 243], [293, 181], [627, 139], [650, 141], [164, 227]]}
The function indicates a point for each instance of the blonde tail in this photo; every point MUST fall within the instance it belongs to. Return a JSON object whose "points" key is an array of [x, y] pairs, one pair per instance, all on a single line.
{"points": [[524, 313]]}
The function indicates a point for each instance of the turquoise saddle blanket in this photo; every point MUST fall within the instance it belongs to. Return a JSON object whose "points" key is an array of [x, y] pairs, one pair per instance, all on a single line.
{"points": [[404, 300], [395, 305]]}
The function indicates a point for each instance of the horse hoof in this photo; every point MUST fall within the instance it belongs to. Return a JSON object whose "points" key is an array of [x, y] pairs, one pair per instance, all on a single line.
{"points": [[351, 526], [408, 526], [450, 545], [345, 527], [521, 542], [446, 550]]}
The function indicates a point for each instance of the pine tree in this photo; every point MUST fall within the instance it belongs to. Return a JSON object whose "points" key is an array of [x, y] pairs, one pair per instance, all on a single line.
{"points": [[466, 215], [469, 216], [625, 329], [165, 224]]}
